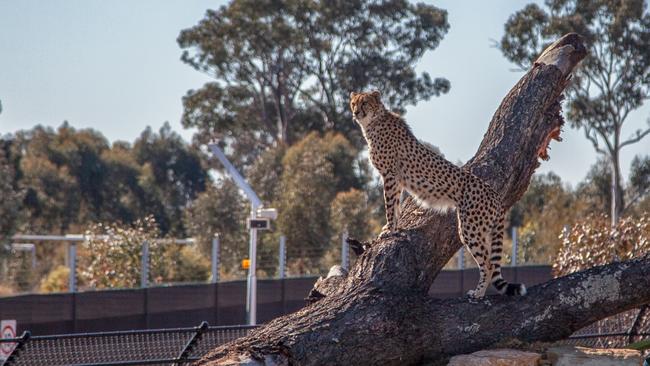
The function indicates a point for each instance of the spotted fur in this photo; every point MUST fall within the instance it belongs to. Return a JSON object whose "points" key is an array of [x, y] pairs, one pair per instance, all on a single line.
{"points": [[405, 163]]}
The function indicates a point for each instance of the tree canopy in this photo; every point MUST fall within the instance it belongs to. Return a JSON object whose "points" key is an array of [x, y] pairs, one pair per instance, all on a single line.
{"points": [[291, 71]]}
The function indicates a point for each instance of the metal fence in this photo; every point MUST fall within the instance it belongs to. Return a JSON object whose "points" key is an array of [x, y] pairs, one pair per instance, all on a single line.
{"points": [[180, 345], [616, 331], [135, 347]]}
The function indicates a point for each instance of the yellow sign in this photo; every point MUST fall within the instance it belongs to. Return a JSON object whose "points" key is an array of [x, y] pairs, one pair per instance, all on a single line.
{"points": [[245, 263]]}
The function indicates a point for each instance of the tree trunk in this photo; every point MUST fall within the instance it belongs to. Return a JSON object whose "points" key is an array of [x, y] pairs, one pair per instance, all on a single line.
{"points": [[380, 312], [616, 189]]}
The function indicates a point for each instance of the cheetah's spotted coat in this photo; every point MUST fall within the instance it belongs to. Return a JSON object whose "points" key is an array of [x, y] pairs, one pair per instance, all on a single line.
{"points": [[405, 163]]}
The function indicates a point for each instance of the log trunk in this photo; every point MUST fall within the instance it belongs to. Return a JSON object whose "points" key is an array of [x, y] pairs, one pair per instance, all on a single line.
{"points": [[380, 312]]}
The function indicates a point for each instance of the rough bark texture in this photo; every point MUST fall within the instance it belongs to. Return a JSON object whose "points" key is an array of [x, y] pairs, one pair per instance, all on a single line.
{"points": [[380, 313]]}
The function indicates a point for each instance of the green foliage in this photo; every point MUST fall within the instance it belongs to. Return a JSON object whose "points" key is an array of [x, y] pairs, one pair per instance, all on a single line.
{"points": [[220, 210], [57, 280], [315, 169], [111, 257], [640, 345], [541, 214], [172, 175], [62, 175], [285, 68], [549, 204], [639, 187], [71, 178], [349, 214], [612, 81], [10, 200], [183, 263], [265, 174], [595, 190], [112, 254]]}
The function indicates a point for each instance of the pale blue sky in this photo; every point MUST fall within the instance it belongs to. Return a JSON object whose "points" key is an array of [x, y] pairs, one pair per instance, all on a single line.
{"points": [[114, 66]]}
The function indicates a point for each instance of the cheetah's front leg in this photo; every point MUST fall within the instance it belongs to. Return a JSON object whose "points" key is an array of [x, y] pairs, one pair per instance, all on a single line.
{"points": [[392, 193]]}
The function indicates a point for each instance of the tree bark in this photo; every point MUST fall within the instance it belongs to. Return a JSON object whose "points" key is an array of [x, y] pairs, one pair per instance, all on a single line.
{"points": [[380, 312]]}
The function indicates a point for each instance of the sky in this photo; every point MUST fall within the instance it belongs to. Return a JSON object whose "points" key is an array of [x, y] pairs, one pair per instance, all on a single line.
{"points": [[114, 66]]}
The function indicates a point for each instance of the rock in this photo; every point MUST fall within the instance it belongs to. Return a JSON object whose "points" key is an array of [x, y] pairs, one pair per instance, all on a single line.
{"points": [[583, 356], [497, 357]]}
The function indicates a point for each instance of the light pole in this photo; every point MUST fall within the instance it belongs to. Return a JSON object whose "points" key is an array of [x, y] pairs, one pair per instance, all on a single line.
{"points": [[253, 226]]}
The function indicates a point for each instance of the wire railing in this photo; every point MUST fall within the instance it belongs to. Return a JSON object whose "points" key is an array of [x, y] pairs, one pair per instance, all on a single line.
{"points": [[135, 347]]}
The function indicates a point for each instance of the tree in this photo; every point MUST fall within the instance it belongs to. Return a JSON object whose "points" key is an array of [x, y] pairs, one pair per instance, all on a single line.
{"points": [[290, 72], [349, 214], [639, 188], [62, 175], [111, 257], [314, 170], [220, 209], [541, 214], [15, 268], [172, 175], [612, 82], [594, 193], [381, 312], [10, 199], [124, 198]]}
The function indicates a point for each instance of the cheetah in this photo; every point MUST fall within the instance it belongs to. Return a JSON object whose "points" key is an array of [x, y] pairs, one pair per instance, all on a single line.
{"points": [[405, 163]]}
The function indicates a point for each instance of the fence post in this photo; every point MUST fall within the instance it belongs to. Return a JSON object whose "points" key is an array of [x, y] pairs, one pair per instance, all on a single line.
{"points": [[282, 257], [15, 353], [515, 243], [345, 251], [144, 272], [215, 258], [72, 265], [189, 346], [461, 258]]}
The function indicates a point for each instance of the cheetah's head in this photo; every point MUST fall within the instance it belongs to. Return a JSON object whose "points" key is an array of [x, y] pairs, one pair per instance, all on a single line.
{"points": [[365, 106]]}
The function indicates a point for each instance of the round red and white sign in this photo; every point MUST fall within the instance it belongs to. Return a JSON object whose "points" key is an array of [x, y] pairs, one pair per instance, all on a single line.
{"points": [[8, 331]]}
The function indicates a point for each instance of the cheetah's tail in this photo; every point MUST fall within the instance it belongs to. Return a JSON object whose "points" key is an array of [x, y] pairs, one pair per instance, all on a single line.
{"points": [[506, 288]]}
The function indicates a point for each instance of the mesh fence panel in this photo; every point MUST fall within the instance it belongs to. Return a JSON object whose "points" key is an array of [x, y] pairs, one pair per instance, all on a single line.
{"points": [[155, 347], [611, 332], [216, 336]]}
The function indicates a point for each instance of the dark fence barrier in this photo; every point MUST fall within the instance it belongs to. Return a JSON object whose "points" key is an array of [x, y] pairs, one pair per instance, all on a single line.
{"points": [[187, 305]]}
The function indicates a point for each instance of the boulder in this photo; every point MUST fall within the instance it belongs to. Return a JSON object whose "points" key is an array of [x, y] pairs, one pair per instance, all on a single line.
{"points": [[497, 357], [583, 356]]}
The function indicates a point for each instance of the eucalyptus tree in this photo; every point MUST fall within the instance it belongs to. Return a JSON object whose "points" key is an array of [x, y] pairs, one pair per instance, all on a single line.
{"points": [[284, 68], [611, 82]]}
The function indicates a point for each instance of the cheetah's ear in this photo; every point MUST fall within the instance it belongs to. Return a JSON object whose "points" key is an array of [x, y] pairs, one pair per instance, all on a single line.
{"points": [[352, 94], [376, 94]]}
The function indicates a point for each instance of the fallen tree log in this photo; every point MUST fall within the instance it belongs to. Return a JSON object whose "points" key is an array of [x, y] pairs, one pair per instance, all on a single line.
{"points": [[380, 312]]}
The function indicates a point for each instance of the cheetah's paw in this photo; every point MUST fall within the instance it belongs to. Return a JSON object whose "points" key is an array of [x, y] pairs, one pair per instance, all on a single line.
{"points": [[385, 234], [474, 295]]}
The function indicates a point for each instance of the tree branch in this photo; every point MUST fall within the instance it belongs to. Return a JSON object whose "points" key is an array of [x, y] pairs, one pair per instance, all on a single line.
{"points": [[633, 140], [380, 312], [594, 140]]}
